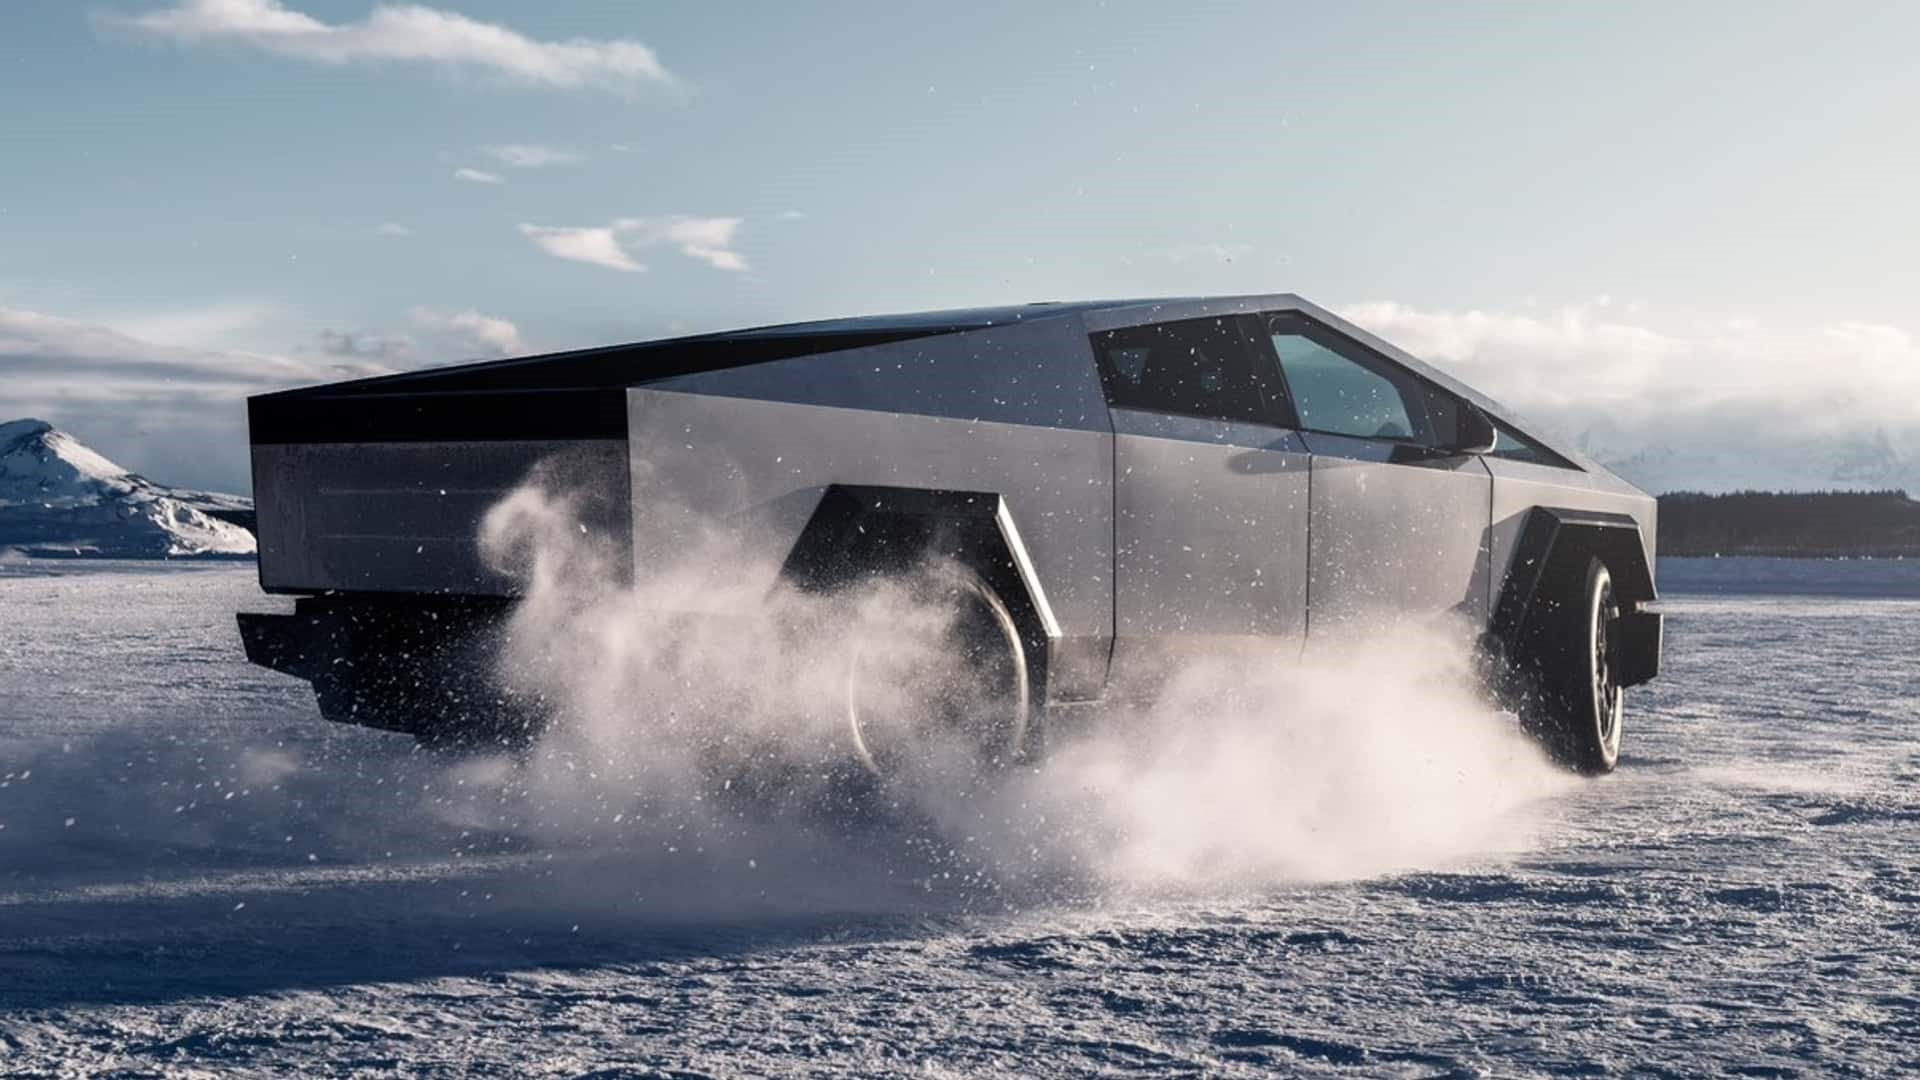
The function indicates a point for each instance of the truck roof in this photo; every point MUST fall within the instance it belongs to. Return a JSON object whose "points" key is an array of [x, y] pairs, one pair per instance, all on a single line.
{"points": [[640, 362]]}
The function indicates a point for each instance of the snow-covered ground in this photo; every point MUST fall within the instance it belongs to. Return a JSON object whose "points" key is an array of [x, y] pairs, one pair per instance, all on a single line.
{"points": [[59, 497], [197, 876]]}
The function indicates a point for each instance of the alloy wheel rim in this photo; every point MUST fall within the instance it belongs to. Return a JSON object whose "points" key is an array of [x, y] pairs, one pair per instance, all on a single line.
{"points": [[993, 724], [1606, 690]]}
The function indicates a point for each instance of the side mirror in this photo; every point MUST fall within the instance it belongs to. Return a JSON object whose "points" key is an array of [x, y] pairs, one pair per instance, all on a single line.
{"points": [[1476, 434]]}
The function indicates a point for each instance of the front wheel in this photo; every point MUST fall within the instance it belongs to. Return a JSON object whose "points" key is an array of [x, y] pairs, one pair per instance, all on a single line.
{"points": [[1580, 704]]}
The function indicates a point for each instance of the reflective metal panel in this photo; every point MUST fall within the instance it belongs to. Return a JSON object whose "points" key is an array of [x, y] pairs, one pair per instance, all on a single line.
{"points": [[713, 472], [405, 517], [1210, 530], [1396, 532], [1519, 487]]}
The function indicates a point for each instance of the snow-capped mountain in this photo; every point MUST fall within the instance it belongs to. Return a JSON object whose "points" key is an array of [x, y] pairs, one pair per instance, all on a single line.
{"points": [[57, 497]]}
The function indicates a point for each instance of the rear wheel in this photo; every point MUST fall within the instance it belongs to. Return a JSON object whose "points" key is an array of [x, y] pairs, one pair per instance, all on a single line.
{"points": [[1580, 703], [949, 686]]}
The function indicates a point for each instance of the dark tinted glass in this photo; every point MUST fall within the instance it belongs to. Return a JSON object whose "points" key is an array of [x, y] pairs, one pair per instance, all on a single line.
{"points": [[1195, 367], [1517, 447], [1336, 394], [1339, 386]]}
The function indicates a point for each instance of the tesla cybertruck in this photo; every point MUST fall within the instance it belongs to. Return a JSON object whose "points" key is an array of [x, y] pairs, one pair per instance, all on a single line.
{"points": [[1104, 481]]}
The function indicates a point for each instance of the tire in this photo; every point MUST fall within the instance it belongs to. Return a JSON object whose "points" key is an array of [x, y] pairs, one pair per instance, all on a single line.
{"points": [[1579, 703], [965, 694]]}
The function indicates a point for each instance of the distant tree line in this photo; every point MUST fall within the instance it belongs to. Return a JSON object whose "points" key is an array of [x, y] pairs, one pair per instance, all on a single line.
{"points": [[1813, 523]]}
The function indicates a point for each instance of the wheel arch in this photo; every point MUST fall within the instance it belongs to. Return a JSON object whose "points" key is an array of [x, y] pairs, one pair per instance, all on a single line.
{"points": [[1554, 541], [858, 531]]}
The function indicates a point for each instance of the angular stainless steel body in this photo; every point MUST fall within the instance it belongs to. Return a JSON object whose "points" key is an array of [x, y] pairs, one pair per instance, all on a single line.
{"points": [[1137, 528]]}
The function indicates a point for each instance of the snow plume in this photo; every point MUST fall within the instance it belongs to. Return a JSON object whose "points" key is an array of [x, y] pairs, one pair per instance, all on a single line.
{"points": [[693, 671], [1251, 764], [1246, 766]]}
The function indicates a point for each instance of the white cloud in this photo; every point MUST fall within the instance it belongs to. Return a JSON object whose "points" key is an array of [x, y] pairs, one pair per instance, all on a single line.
{"points": [[791, 215], [1576, 359], [471, 333], [406, 34], [431, 337], [531, 156], [596, 245], [477, 176], [708, 240], [1707, 403], [392, 228], [210, 326]]}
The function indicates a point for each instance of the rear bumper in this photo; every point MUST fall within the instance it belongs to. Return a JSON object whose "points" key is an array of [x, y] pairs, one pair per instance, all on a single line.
{"points": [[424, 666], [297, 645]]}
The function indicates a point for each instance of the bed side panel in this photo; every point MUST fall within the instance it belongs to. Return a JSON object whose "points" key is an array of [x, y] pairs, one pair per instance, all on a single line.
{"points": [[742, 476], [405, 517]]}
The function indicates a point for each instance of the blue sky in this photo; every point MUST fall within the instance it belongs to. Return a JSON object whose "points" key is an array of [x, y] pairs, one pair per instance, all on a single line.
{"points": [[1525, 192]]}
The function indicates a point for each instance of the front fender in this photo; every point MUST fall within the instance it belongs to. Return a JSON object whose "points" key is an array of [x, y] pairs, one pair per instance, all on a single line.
{"points": [[1553, 538]]}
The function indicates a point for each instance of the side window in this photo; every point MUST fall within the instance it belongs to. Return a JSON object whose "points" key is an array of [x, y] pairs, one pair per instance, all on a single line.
{"points": [[1339, 395], [1514, 446], [1195, 367]]}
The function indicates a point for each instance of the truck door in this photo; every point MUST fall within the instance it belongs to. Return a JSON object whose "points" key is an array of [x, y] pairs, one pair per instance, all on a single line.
{"points": [[1401, 518], [1210, 488]]}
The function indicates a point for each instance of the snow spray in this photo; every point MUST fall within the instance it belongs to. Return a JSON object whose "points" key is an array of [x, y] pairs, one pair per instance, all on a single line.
{"points": [[1248, 765]]}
